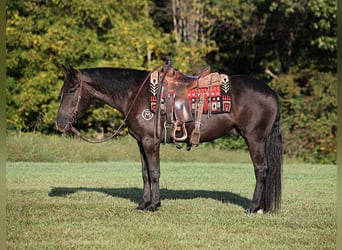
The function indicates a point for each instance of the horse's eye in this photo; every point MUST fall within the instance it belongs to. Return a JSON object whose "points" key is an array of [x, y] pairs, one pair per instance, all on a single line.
{"points": [[72, 90]]}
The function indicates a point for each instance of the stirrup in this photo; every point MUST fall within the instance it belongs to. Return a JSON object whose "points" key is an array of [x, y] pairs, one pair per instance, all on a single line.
{"points": [[185, 133]]}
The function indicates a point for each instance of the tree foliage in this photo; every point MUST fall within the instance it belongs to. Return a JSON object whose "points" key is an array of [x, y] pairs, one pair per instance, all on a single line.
{"points": [[291, 44], [309, 114]]}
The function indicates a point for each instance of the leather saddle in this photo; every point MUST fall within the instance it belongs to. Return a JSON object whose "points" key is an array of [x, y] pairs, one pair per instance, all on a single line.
{"points": [[178, 85], [189, 81], [178, 111]]}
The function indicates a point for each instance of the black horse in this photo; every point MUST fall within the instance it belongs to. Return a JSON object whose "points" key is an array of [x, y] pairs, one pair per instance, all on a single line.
{"points": [[255, 115]]}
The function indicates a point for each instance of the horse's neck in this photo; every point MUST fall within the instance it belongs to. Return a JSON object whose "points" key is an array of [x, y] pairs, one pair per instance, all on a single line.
{"points": [[107, 96]]}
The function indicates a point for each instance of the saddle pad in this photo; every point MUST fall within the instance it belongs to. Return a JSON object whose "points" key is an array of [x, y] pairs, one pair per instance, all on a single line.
{"points": [[217, 98]]}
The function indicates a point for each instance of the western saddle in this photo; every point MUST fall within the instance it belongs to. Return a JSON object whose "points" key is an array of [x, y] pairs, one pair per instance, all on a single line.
{"points": [[176, 87]]}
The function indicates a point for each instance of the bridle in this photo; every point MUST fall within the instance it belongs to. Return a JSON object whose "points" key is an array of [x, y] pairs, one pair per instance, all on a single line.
{"points": [[73, 119], [115, 133]]}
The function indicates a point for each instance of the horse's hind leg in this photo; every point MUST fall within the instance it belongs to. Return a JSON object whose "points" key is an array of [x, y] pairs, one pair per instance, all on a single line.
{"points": [[257, 152]]}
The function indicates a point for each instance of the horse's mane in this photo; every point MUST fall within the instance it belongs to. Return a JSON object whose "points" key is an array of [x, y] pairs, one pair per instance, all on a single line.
{"points": [[116, 81]]}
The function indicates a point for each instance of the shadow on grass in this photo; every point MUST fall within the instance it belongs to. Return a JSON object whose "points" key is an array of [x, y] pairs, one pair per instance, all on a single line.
{"points": [[135, 194]]}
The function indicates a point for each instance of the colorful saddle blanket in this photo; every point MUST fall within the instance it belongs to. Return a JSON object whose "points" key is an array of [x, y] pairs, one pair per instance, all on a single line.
{"points": [[214, 86]]}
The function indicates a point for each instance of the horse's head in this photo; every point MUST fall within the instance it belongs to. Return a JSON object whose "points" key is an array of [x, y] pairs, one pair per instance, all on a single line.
{"points": [[74, 99]]}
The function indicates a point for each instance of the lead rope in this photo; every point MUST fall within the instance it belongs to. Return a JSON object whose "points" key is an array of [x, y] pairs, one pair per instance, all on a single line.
{"points": [[116, 132]]}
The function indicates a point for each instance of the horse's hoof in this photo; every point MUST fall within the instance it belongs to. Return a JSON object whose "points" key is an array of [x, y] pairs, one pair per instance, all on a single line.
{"points": [[140, 208], [260, 211], [143, 205], [153, 207]]}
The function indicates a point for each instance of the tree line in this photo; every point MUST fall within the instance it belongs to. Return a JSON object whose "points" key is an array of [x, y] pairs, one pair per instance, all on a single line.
{"points": [[291, 44]]}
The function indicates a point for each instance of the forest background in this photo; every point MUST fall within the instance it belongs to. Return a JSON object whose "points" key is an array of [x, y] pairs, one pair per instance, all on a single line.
{"points": [[292, 44]]}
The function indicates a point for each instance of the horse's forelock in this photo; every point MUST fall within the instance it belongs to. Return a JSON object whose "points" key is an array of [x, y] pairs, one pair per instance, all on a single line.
{"points": [[71, 77]]}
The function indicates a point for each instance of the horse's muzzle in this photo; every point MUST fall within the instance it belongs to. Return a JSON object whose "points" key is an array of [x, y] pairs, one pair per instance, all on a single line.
{"points": [[63, 129]]}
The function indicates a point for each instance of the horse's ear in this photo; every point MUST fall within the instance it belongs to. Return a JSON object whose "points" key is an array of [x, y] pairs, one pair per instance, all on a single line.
{"points": [[68, 71], [72, 70], [65, 70]]}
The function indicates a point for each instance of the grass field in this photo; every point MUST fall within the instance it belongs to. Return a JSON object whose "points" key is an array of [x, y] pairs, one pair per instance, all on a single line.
{"points": [[78, 205], [63, 193], [41, 148]]}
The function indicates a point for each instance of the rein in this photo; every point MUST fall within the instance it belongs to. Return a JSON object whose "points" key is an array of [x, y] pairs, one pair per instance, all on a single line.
{"points": [[116, 132]]}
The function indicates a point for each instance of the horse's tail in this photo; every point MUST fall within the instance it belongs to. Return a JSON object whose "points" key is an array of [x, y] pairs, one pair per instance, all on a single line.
{"points": [[274, 158]]}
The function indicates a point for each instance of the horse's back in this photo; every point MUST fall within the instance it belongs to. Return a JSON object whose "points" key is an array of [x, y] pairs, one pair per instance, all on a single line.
{"points": [[248, 85]]}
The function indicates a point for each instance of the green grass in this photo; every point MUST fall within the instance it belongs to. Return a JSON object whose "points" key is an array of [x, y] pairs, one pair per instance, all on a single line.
{"points": [[76, 205], [63, 193], [42, 148]]}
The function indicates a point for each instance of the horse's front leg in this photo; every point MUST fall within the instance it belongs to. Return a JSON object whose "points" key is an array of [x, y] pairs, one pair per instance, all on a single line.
{"points": [[146, 199], [150, 173]]}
